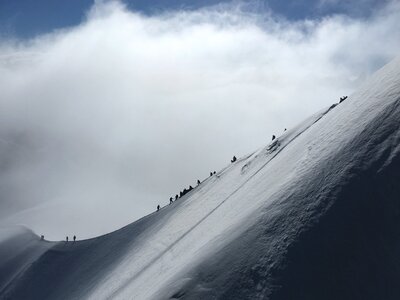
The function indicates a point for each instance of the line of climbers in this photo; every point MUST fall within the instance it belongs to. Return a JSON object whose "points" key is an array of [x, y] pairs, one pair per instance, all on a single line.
{"points": [[181, 193], [185, 191]]}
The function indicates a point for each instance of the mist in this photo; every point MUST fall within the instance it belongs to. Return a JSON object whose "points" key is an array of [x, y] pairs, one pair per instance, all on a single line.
{"points": [[101, 122]]}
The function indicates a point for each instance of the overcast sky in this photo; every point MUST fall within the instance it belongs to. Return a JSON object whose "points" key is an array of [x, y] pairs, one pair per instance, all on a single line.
{"points": [[122, 108]]}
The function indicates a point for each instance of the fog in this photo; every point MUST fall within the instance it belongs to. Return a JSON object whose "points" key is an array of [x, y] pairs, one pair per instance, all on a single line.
{"points": [[101, 122]]}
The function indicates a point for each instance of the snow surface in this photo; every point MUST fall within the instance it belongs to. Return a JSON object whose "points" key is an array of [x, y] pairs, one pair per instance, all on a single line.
{"points": [[313, 215]]}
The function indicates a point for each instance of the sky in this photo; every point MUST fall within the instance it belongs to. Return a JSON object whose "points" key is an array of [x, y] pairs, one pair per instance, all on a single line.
{"points": [[27, 18], [109, 108]]}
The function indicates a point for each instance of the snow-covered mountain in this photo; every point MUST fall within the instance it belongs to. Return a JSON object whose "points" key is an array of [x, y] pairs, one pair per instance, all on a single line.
{"points": [[313, 215]]}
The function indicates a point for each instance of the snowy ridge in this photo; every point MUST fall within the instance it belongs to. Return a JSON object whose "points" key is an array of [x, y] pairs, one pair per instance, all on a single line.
{"points": [[19, 247], [313, 215]]}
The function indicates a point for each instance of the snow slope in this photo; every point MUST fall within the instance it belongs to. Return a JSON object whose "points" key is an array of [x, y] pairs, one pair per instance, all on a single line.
{"points": [[313, 215], [19, 247]]}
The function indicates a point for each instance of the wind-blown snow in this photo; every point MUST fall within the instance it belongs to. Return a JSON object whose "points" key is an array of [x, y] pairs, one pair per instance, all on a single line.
{"points": [[313, 215]]}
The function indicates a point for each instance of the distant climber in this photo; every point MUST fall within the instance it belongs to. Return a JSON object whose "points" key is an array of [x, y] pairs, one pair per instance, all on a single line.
{"points": [[273, 137], [285, 129], [176, 197], [211, 174], [214, 173], [233, 159], [171, 200], [42, 237], [190, 188], [66, 239], [158, 207], [342, 99], [198, 181], [74, 238]]}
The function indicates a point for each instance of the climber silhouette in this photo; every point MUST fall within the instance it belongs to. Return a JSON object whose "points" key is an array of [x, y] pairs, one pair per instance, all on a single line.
{"points": [[66, 239], [158, 207], [171, 200], [74, 238], [233, 159], [273, 137], [342, 99], [198, 182]]}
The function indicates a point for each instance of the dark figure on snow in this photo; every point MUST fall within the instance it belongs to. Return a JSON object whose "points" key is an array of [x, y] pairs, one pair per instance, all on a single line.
{"points": [[190, 188], [42, 237], [211, 174], [158, 207], [342, 99], [66, 239], [180, 194], [74, 238], [285, 129], [215, 173], [198, 182], [171, 200], [233, 159], [176, 197], [273, 137]]}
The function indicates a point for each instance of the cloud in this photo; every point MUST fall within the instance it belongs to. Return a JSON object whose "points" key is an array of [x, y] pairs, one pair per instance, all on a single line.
{"points": [[103, 121]]}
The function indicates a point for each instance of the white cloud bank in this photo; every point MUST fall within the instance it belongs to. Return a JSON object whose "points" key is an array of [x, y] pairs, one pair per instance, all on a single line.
{"points": [[103, 121]]}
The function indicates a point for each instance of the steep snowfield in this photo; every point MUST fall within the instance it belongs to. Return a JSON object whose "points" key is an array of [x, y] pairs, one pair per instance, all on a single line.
{"points": [[313, 215]]}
